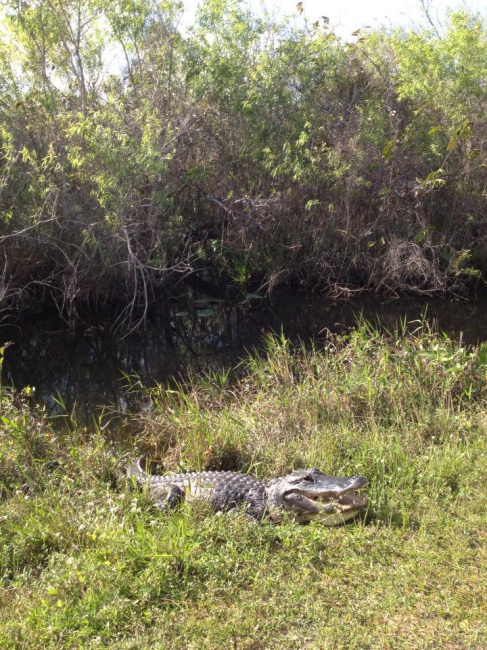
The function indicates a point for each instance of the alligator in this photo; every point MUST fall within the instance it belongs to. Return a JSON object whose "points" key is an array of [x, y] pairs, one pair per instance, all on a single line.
{"points": [[306, 494]]}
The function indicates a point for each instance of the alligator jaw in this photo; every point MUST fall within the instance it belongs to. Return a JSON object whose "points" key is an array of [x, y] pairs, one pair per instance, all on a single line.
{"points": [[338, 507], [310, 495], [333, 512]]}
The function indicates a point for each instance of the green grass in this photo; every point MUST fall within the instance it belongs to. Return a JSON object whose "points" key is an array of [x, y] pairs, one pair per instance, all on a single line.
{"points": [[86, 562]]}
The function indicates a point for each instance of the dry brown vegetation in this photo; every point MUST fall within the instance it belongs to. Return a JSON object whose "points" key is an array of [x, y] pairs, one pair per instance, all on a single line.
{"points": [[255, 153]]}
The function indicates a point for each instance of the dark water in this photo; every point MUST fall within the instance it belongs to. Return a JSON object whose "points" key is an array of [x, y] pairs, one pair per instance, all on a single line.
{"points": [[89, 367]]}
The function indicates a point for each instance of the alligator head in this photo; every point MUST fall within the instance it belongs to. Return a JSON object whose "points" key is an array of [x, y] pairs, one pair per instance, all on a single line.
{"points": [[312, 496]]}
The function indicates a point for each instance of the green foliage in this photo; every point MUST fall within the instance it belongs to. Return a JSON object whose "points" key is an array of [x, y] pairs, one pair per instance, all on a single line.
{"points": [[132, 150]]}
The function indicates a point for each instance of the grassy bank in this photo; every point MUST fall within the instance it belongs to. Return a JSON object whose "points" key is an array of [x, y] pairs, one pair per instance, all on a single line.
{"points": [[85, 562]]}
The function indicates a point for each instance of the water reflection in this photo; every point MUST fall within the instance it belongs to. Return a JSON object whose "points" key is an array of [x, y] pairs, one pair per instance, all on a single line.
{"points": [[198, 331]]}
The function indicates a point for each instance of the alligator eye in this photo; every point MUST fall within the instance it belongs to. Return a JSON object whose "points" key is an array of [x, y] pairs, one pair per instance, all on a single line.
{"points": [[299, 479]]}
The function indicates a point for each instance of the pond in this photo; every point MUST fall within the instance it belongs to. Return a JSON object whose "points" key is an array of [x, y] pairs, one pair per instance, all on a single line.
{"points": [[196, 330]]}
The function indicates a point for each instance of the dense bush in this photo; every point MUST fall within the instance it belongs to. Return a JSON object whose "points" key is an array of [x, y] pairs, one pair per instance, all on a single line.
{"points": [[242, 148]]}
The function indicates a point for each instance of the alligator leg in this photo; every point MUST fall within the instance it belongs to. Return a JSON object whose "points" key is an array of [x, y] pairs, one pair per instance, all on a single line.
{"points": [[170, 498]]}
